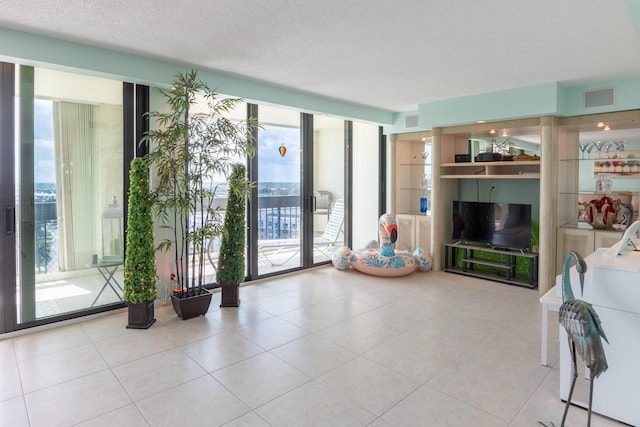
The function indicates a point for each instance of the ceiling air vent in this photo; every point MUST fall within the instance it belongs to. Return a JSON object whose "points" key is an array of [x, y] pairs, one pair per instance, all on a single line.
{"points": [[411, 121], [598, 98]]}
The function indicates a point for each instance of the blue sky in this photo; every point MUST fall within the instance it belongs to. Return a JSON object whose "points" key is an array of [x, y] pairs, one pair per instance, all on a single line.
{"points": [[274, 167], [44, 170]]}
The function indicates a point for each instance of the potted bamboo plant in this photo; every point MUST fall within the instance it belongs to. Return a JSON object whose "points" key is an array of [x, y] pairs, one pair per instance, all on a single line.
{"points": [[191, 151], [140, 279], [231, 261]]}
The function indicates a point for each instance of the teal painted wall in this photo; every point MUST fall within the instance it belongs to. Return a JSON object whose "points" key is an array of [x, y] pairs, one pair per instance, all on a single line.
{"points": [[29, 49], [528, 101], [511, 191], [626, 97], [533, 101]]}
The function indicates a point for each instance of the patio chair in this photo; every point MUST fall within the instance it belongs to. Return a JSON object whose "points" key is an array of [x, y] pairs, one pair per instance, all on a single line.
{"points": [[275, 250], [323, 202]]}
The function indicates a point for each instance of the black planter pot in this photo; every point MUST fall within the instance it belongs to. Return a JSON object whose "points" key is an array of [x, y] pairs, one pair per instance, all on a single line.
{"points": [[230, 295], [141, 315], [191, 303]]}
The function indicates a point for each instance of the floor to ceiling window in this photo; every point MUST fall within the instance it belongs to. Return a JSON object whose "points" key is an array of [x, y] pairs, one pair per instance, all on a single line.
{"points": [[69, 193], [279, 186], [328, 186]]}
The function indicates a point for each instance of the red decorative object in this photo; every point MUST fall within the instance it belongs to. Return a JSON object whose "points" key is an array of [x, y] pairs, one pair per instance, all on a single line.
{"points": [[602, 213], [282, 150]]}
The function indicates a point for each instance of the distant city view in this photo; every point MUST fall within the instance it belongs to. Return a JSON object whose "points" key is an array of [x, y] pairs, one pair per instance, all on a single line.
{"points": [[45, 192]]}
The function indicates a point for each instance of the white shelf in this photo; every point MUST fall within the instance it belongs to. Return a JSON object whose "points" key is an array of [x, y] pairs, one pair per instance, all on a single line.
{"points": [[491, 170], [500, 176]]}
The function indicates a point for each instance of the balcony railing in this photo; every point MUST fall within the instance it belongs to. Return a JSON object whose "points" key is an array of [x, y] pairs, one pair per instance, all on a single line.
{"points": [[278, 218], [46, 237]]}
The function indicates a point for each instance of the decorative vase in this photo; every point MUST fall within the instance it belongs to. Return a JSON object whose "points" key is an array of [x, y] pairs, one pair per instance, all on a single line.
{"points": [[423, 204], [230, 295], [191, 303], [141, 315], [601, 214]]}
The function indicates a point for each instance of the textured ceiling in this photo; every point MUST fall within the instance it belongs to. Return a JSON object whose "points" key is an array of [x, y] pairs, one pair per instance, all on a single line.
{"points": [[390, 55]]}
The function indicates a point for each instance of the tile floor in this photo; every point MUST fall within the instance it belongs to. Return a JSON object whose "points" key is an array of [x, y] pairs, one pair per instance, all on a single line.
{"points": [[319, 348]]}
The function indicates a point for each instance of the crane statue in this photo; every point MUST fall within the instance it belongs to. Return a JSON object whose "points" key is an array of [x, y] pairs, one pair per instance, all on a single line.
{"points": [[583, 328]]}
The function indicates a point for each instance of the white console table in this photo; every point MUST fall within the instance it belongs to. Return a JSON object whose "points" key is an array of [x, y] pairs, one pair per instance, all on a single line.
{"points": [[612, 286], [550, 301]]}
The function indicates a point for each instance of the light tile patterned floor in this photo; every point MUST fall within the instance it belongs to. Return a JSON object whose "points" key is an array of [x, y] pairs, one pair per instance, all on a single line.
{"points": [[318, 348]]}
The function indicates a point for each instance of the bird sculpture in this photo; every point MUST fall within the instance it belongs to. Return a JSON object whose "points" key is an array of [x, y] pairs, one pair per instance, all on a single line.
{"points": [[584, 330]]}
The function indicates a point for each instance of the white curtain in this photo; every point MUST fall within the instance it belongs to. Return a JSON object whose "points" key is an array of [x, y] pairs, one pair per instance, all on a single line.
{"points": [[75, 140]]}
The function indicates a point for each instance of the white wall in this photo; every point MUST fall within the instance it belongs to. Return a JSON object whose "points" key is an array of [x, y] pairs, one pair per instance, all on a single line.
{"points": [[365, 184]]}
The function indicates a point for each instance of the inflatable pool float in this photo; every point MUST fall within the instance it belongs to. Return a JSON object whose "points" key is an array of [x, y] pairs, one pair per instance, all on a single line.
{"points": [[381, 259]]}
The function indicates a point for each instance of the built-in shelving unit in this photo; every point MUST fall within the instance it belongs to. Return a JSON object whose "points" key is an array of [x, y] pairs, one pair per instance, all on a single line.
{"points": [[411, 181], [579, 172], [491, 181]]}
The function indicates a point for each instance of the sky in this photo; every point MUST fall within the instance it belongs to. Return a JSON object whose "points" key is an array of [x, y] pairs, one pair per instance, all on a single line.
{"points": [[273, 166], [44, 169]]}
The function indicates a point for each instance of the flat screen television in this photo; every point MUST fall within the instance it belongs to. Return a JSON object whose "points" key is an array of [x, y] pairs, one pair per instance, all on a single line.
{"points": [[497, 225]]}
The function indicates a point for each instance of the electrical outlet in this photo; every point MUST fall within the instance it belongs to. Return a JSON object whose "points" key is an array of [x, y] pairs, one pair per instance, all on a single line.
{"points": [[493, 185]]}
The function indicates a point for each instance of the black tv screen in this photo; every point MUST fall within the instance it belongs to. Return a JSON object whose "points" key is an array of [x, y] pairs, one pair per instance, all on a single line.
{"points": [[498, 225]]}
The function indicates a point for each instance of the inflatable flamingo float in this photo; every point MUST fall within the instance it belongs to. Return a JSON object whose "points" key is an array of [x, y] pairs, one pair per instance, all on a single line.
{"points": [[381, 259]]}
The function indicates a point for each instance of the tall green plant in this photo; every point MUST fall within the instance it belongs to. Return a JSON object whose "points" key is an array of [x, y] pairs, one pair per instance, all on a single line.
{"points": [[231, 262], [190, 150], [140, 279]]}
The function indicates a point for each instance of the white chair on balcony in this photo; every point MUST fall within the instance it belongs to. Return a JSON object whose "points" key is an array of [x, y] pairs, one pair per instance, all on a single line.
{"points": [[280, 251]]}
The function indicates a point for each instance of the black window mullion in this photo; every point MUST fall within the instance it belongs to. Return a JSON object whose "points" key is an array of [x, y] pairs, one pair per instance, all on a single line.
{"points": [[7, 195]]}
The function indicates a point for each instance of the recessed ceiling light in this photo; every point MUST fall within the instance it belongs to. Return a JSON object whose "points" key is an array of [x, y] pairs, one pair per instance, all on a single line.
{"points": [[481, 121], [600, 124], [492, 131], [607, 127]]}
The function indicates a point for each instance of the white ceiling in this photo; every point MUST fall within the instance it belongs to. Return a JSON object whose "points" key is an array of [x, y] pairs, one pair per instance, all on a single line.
{"points": [[392, 55]]}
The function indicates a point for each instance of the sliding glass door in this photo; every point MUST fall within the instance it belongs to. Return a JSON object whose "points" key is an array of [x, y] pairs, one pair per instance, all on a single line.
{"points": [[279, 187], [69, 209], [328, 186]]}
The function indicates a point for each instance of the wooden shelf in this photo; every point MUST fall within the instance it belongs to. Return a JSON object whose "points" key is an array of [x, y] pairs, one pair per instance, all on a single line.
{"points": [[491, 170], [500, 176]]}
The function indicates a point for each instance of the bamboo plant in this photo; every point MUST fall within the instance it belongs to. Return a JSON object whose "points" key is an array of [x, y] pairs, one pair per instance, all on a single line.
{"points": [[190, 150]]}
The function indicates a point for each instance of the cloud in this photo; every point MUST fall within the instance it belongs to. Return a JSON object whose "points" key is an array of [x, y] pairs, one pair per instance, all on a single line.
{"points": [[274, 167]]}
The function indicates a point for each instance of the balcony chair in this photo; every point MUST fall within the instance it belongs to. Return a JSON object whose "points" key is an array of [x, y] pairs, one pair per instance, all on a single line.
{"points": [[323, 201], [280, 251]]}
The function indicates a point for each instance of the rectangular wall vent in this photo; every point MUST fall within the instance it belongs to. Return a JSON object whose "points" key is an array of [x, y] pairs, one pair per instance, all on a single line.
{"points": [[598, 98], [411, 121]]}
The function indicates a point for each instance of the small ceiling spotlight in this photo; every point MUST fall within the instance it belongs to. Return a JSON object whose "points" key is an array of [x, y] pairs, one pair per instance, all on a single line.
{"points": [[606, 127], [600, 124], [492, 131], [504, 134]]}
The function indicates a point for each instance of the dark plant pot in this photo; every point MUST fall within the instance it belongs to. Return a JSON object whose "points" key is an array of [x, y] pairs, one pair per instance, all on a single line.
{"points": [[141, 315], [191, 303], [230, 295]]}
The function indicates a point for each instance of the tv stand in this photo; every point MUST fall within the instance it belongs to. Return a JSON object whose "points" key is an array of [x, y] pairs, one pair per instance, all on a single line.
{"points": [[501, 268]]}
